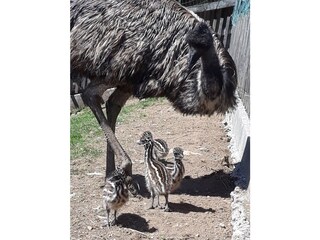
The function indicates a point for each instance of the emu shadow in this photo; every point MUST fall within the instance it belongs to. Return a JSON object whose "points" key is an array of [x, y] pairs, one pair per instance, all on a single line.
{"points": [[217, 183], [142, 188], [135, 222], [241, 172], [187, 207]]}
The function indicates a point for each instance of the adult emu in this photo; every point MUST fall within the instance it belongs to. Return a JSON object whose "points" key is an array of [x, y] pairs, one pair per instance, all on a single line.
{"points": [[147, 48]]}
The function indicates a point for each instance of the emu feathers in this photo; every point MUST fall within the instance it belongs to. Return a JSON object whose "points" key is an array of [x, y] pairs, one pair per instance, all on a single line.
{"points": [[147, 48]]}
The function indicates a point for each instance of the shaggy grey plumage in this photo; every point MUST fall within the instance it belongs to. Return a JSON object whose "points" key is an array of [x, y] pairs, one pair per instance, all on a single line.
{"points": [[148, 48]]}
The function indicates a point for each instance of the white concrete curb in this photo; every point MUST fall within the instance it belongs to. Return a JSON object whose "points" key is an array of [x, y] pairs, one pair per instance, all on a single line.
{"points": [[238, 129]]}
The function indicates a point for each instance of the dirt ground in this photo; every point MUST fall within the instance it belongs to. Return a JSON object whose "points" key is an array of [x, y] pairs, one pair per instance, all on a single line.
{"points": [[200, 208]]}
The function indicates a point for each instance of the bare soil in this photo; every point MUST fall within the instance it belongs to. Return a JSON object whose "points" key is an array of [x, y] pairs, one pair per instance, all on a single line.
{"points": [[201, 208]]}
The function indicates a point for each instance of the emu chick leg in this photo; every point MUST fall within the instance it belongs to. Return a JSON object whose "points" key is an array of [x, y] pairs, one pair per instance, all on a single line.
{"points": [[166, 207], [114, 221], [152, 200]]}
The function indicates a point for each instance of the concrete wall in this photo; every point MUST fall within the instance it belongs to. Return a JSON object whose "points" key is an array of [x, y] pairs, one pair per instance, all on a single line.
{"points": [[238, 128]]}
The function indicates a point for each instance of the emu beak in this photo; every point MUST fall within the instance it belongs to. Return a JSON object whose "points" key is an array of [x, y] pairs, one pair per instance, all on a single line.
{"points": [[139, 142], [193, 57]]}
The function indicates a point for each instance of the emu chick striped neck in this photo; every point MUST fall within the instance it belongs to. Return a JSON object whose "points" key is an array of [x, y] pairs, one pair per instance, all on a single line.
{"points": [[157, 177]]}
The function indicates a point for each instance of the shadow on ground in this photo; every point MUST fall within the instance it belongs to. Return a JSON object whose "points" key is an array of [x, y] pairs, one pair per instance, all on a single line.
{"points": [[241, 171], [187, 207], [217, 183], [135, 222]]}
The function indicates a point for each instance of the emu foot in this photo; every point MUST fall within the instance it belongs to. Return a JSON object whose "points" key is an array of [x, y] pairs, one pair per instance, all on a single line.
{"points": [[150, 207], [106, 224], [167, 209], [113, 222], [109, 224]]}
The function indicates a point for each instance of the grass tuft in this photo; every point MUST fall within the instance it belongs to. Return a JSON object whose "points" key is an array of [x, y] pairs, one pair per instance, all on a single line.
{"points": [[86, 135]]}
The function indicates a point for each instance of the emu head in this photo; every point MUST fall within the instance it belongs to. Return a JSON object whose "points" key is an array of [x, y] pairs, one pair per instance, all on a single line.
{"points": [[132, 186], [209, 86], [199, 40], [145, 138], [118, 175], [178, 153]]}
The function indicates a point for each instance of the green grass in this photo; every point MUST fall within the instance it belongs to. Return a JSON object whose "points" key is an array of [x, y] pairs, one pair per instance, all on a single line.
{"points": [[84, 131], [127, 110], [86, 136]]}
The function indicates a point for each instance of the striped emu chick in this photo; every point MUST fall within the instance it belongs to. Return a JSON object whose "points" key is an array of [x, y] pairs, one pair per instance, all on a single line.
{"points": [[115, 193], [158, 178], [178, 170], [160, 147]]}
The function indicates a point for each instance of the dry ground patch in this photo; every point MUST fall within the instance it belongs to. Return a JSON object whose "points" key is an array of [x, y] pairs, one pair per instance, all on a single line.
{"points": [[200, 208]]}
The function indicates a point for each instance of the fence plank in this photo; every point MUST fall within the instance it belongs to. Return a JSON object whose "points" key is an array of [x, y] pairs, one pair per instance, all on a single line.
{"points": [[212, 6], [218, 17], [240, 52], [222, 26], [226, 32]]}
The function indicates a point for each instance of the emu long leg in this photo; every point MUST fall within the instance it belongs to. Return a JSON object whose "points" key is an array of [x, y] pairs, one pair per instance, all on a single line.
{"points": [[113, 107], [92, 97]]}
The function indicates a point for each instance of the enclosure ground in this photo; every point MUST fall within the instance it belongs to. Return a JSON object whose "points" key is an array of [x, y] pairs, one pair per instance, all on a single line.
{"points": [[201, 208]]}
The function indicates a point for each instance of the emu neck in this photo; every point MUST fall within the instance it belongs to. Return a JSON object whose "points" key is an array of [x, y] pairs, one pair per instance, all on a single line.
{"points": [[148, 153], [210, 63], [211, 76]]}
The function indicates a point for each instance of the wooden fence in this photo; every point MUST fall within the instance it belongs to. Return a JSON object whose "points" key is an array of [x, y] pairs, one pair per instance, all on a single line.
{"points": [[220, 21], [240, 52]]}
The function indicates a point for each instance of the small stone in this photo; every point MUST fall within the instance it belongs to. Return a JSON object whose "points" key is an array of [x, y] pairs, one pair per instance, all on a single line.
{"points": [[89, 228], [197, 235], [222, 225], [204, 149]]}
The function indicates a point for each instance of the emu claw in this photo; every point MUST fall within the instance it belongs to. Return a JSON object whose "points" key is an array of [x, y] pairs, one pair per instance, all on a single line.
{"points": [[113, 222], [105, 224], [167, 209]]}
